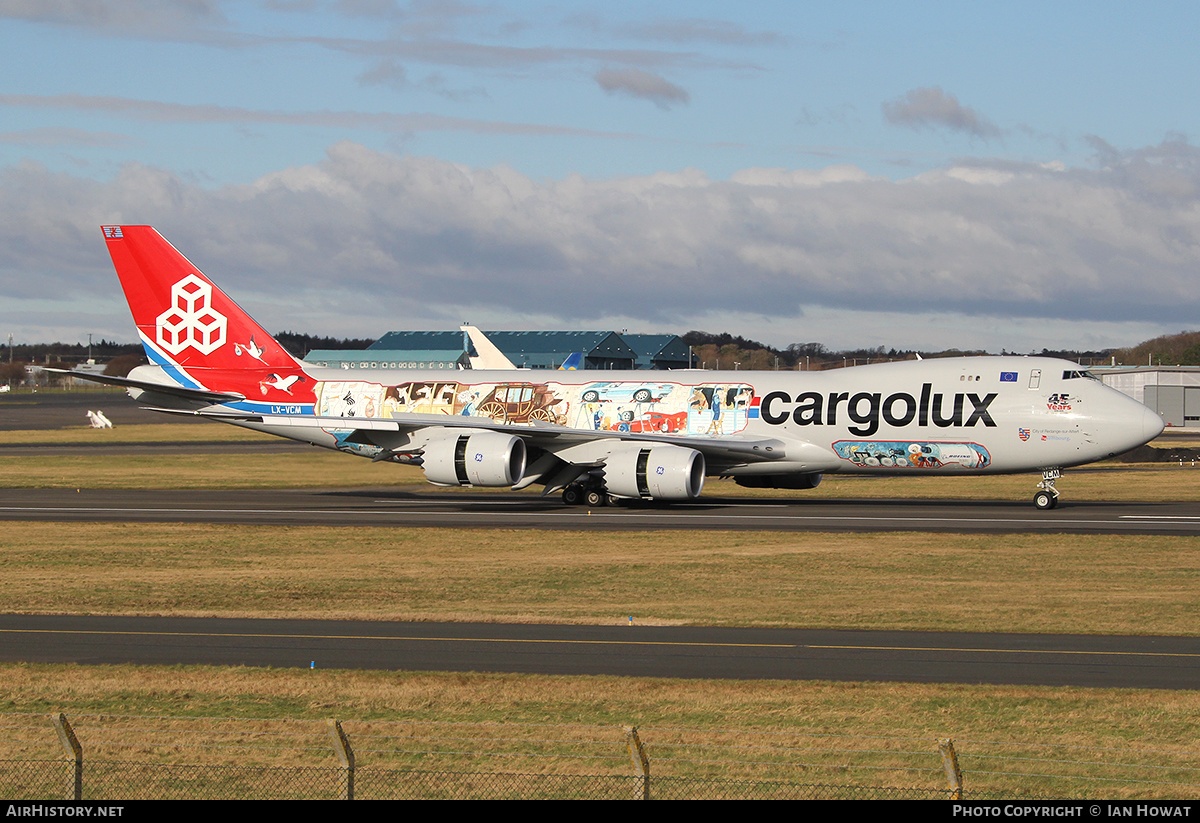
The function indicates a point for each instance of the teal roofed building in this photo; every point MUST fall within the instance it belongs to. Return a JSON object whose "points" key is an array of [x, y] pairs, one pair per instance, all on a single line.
{"points": [[402, 350], [548, 349], [658, 351], [444, 341], [383, 359], [524, 349]]}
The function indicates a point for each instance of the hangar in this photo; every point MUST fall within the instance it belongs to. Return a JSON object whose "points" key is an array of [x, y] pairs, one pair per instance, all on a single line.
{"points": [[525, 349], [1172, 391]]}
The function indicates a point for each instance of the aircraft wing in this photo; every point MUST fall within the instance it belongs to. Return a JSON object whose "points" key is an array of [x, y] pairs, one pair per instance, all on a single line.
{"points": [[388, 433]]}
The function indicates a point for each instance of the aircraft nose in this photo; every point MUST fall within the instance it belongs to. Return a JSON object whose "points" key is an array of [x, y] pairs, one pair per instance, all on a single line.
{"points": [[1152, 426]]}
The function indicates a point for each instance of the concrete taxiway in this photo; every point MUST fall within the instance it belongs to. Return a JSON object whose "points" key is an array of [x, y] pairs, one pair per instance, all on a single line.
{"points": [[641, 651], [427, 507]]}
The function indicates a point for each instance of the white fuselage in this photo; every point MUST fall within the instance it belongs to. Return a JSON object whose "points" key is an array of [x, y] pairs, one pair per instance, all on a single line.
{"points": [[948, 416]]}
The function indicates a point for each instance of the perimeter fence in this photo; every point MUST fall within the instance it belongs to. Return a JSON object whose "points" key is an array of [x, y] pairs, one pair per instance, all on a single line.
{"points": [[111, 757]]}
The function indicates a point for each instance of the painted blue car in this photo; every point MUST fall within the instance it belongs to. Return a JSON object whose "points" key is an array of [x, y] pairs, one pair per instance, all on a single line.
{"points": [[637, 392]]}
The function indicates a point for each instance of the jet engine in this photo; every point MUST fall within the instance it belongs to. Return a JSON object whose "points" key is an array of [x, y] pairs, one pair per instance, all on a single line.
{"points": [[655, 473], [474, 458]]}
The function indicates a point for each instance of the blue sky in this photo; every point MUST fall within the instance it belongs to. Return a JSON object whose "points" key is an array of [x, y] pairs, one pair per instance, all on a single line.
{"points": [[932, 175]]}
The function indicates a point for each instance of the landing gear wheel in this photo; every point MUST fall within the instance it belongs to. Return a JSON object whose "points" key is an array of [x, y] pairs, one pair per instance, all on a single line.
{"points": [[595, 498], [1046, 496], [572, 495]]}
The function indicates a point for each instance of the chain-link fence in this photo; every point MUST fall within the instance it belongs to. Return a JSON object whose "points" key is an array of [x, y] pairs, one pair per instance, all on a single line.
{"points": [[144, 781], [107, 757]]}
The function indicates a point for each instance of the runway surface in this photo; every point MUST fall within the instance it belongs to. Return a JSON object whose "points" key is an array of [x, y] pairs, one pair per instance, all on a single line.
{"points": [[63, 410], [424, 506], [642, 651]]}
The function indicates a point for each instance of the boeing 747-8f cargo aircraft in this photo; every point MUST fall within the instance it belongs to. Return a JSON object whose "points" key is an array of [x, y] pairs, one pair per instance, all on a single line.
{"points": [[604, 437]]}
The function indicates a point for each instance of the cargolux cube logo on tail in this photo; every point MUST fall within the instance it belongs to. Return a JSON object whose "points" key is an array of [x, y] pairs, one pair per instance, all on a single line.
{"points": [[191, 320]]}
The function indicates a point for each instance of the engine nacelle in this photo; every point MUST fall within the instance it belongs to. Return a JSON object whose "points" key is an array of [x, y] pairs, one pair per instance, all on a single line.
{"points": [[779, 481], [474, 458], [655, 473]]}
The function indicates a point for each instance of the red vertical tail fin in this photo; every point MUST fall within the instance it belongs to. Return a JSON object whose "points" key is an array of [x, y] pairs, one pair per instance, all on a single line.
{"points": [[193, 329]]}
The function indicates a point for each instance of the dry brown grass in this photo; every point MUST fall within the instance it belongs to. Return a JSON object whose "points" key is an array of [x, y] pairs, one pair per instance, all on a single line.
{"points": [[1104, 743], [193, 431], [1038, 583], [319, 468]]}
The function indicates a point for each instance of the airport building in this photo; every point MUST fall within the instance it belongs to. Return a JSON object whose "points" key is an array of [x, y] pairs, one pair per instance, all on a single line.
{"points": [[1172, 391], [548, 349], [399, 359], [658, 351], [524, 349]]}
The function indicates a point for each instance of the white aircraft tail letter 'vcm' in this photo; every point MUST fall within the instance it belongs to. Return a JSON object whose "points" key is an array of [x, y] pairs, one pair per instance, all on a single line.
{"points": [[606, 436]]}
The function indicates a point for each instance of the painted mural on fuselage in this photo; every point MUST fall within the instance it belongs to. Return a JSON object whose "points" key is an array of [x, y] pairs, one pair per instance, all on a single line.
{"points": [[646, 406], [932, 426], [952, 416]]}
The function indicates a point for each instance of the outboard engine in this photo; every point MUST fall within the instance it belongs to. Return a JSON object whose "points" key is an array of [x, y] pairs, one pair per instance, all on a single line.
{"points": [[474, 458], [655, 472]]}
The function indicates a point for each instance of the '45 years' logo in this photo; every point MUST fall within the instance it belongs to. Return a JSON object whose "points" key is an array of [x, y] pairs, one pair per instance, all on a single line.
{"points": [[1059, 402]]}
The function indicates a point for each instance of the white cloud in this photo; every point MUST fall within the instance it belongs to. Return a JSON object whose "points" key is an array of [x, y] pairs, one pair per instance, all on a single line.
{"points": [[934, 108], [167, 112], [699, 30], [63, 136], [643, 84], [191, 20], [366, 241]]}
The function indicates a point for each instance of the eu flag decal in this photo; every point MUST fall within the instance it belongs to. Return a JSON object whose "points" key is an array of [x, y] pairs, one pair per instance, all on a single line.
{"points": [[1008, 377]]}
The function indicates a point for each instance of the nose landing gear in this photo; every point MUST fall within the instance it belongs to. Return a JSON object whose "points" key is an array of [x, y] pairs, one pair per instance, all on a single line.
{"points": [[1046, 496]]}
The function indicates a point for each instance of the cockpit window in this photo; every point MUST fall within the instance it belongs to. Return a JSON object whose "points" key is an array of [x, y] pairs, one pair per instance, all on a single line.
{"points": [[1072, 375]]}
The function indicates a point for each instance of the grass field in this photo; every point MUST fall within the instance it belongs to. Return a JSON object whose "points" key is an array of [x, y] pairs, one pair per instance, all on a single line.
{"points": [[192, 431], [1038, 583], [1011, 741], [320, 468], [1106, 584]]}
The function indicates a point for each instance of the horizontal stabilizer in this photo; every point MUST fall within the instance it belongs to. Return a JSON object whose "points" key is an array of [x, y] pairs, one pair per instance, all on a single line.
{"points": [[173, 390]]}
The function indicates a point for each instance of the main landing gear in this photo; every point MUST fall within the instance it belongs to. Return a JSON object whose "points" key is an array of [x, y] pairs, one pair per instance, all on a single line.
{"points": [[593, 497], [1046, 496]]}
